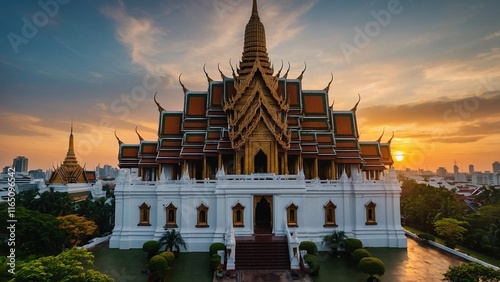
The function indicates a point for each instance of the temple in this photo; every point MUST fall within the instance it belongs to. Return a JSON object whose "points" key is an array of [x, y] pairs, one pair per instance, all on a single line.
{"points": [[71, 177], [256, 154]]}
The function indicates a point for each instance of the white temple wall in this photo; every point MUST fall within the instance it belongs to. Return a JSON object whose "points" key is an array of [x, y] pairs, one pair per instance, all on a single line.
{"points": [[349, 196]]}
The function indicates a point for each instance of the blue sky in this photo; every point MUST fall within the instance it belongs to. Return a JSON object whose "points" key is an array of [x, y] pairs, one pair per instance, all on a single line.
{"points": [[427, 70]]}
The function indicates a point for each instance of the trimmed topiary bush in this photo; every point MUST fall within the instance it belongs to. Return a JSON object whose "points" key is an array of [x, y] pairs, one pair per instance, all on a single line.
{"points": [[215, 261], [216, 247], [426, 237], [310, 247], [358, 254], [151, 247], [313, 263], [158, 267], [352, 244], [169, 256], [371, 266]]}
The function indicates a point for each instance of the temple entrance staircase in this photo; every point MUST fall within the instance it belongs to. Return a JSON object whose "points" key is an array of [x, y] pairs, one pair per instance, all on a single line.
{"points": [[262, 252]]}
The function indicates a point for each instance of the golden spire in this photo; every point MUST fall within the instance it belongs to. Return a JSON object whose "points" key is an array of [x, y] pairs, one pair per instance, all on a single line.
{"points": [[70, 156], [254, 47]]}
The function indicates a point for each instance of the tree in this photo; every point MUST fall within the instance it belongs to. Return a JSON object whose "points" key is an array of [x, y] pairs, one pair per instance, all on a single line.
{"points": [[36, 233], [54, 202], [451, 230], [172, 240], [371, 266], [77, 228], [471, 272], [101, 211], [69, 265], [335, 240]]}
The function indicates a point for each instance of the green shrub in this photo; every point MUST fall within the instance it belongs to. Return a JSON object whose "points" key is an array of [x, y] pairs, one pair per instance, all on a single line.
{"points": [[216, 247], [426, 237], [309, 246], [215, 261], [151, 247], [372, 266], [313, 263], [169, 256], [358, 254], [471, 271], [158, 266], [352, 244]]}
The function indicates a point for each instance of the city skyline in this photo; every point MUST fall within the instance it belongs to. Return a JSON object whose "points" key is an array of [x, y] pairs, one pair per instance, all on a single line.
{"points": [[427, 71]]}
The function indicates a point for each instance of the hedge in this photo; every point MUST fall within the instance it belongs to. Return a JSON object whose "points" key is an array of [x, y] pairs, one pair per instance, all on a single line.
{"points": [[309, 246]]}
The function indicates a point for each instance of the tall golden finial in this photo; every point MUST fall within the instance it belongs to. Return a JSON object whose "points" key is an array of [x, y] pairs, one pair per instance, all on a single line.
{"points": [[206, 74], [118, 139], [160, 108], [356, 106], [255, 11], [302, 73], [138, 135], [183, 87], [232, 69], [327, 88]]}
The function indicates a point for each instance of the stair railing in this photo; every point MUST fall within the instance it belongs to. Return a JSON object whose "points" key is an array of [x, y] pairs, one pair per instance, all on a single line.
{"points": [[230, 242], [293, 247]]}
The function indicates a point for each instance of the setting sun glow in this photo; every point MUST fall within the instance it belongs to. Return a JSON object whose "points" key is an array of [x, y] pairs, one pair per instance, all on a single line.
{"points": [[398, 156]]}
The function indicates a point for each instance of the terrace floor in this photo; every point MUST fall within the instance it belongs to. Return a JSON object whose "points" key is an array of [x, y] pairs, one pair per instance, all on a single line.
{"points": [[417, 263]]}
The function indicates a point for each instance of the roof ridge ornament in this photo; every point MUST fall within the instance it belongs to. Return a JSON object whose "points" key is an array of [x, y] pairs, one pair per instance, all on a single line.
{"points": [[327, 88], [380, 138], [286, 74], [160, 108], [140, 137], [118, 139], [389, 141], [183, 87], [209, 79], [302, 73], [221, 74], [279, 72], [356, 106]]}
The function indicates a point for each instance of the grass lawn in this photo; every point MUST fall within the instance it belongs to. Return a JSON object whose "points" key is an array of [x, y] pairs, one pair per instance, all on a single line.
{"points": [[127, 265]]}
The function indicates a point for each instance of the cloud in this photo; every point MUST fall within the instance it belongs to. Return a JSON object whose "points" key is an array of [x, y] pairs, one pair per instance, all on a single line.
{"points": [[432, 112], [492, 35]]}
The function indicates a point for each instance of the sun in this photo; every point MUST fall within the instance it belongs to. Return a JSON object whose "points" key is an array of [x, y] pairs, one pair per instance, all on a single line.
{"points": [[398, 156]]}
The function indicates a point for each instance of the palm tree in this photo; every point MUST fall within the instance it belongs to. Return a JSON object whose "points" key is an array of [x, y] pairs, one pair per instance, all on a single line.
{"points": [[172, 240], [335, 240]]}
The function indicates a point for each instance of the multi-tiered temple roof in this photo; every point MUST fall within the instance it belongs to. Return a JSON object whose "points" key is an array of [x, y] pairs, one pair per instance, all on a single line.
{"points": [[256, 121], [70, 170]]}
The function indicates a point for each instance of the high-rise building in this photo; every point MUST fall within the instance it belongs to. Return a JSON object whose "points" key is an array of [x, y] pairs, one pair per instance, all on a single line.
{"points": [[20, 164], [496, 166], [471, 169], [441, 171]]}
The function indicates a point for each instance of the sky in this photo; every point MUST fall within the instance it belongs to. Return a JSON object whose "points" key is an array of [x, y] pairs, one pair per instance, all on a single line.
{"points": [[426, 70]]}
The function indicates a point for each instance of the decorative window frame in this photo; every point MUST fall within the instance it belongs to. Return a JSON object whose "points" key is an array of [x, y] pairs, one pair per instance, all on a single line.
{"points": [[202, 216], [371, 218], [171, 222], [144, 215], [292, 214], [238, 215], [330, 214]]}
